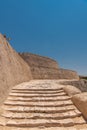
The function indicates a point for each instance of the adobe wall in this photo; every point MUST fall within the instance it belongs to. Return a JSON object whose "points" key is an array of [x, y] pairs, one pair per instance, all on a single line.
{"points": [[46, 68], [13, 69], [41, 67], [67, 74]]}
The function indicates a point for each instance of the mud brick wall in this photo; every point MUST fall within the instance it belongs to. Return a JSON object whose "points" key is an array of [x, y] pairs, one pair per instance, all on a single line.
{"points": [[46, 68], [13, 69]]}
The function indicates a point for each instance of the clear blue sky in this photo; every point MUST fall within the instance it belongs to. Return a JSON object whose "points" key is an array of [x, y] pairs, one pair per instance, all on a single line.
{"points": [[53, 28]]}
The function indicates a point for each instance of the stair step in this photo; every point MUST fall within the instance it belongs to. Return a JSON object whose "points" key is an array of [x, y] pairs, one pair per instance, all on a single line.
{"points": [[56, 116], [40, 122], [40, 104], [3, 122], [36, 95], [45, 122], [37, 92], [79, 120], [33, 89], [21, 109], [34, 99]]}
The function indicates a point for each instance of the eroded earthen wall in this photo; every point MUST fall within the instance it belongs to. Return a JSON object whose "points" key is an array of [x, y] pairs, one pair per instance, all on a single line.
{"points": [[46, 68], [68, 74], [13, 69], [41, 67]]}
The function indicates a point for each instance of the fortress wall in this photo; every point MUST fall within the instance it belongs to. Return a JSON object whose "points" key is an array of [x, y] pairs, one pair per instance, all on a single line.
{"points": [[46, 68], [37, 60], [67, 74], [41, 67], [13, 69]]}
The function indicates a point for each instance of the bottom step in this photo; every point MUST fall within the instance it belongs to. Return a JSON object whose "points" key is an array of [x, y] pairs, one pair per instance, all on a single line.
{"points": [[56, 116], [40, 122]]}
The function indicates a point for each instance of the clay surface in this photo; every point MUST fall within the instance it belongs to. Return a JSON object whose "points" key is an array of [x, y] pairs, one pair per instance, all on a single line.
{"points": [[71, 90], [13, 69], [80, 100], [46, 68]]}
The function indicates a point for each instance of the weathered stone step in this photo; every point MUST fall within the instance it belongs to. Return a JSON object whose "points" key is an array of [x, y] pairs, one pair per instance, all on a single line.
{"points": [[40, 122], [36, 92], [34, 99], [56, 116], [33, 89], [3, 121], [21, 109], [79, 120], [36, 95], [39, 104]]}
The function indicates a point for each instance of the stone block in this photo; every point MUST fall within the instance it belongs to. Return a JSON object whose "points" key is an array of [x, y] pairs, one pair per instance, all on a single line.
{"points": [[80, 101], [71, 90]]}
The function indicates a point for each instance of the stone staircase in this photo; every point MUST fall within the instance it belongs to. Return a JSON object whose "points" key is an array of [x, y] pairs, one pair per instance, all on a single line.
{"points": [[39, 104]]}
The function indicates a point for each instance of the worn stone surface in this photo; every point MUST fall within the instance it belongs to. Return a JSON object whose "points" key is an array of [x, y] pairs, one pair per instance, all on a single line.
{"points": [[80, 100], [41, 67], [80, 84], [71, 90], [67, 74], [46, 68], [24, 113], [13, 69]]}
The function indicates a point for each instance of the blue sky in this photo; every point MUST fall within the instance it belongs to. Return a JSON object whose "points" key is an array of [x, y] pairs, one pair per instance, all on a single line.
{"points": [[53, 28]]}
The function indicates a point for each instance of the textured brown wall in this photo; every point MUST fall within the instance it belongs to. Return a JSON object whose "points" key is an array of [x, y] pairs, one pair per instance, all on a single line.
{"points": [[68, 74], [46, 68], [41, 67], [80, 84], [13, 69]]}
